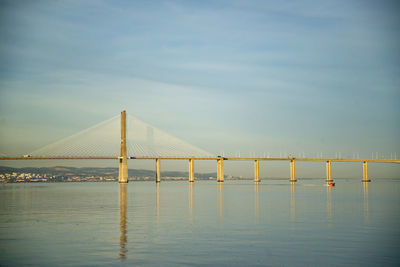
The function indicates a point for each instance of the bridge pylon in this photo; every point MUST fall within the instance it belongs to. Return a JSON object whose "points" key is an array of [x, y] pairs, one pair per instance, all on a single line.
{"points": [[123, 159]]}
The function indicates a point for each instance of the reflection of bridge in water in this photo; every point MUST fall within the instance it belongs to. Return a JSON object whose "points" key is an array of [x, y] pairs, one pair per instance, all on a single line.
{"points": [[123, 220], [261, 207], [152, 144]]}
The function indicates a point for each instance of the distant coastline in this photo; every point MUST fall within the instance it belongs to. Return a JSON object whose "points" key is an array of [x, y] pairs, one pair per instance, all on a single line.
{"points": [[86, 174], [97, 174]]}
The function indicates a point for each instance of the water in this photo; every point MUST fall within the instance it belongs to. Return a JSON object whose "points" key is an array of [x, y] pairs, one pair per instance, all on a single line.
{"points": [[235, 224]]}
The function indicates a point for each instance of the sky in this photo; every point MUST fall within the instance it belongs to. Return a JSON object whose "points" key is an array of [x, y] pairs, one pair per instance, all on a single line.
{"points": [[248, 77]]}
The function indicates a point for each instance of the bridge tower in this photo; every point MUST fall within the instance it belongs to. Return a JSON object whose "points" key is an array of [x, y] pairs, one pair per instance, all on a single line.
{"points": [[123, 159]]}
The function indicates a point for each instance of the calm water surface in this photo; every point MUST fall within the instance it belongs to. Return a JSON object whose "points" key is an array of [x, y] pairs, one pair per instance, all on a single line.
{"points": [[238, 223]]}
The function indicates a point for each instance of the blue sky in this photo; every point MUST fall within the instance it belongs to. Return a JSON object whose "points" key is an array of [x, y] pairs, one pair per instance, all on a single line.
{"points": [[248, 76]]}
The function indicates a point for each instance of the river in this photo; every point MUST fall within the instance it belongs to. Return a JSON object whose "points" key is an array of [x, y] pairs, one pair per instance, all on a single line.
{"points": [[176, 223]]}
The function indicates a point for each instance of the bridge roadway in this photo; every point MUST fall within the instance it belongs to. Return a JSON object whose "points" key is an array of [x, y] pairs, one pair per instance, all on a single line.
{"points": [[220, 164], [216, 158]]}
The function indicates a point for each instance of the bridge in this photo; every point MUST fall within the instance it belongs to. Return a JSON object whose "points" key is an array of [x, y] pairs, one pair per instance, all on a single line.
{"points": [[153, 144]]}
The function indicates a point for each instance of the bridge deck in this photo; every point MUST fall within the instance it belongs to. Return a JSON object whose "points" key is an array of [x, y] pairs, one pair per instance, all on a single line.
{"points": [[214, 158]]}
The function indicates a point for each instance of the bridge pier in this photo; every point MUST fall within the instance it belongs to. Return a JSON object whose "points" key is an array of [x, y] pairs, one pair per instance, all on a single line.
{"points": [[292, 171], [365, 172], [256, 171], [220, 170], [158, 170], [191, 170], [123, 159], [329, 171]]}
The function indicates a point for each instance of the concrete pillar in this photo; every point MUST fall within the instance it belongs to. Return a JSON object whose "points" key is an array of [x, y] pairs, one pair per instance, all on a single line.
{"points": [[220, 170], [158, 171], [328, 171], [292, 171], [123, 159], [365, 172], [256, 171], [191, 170]]}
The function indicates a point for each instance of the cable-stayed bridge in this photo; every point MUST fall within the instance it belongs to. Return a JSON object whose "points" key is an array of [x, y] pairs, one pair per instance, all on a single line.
{"points": [[103, 140], [126, 137]]}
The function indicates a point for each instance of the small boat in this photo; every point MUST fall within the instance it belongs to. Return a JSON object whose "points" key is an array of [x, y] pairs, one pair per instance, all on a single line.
{"points": [[331, 184]]}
